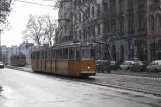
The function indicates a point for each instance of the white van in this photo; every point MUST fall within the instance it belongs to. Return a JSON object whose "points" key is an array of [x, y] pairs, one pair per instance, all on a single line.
{"points": [[154, 66]]}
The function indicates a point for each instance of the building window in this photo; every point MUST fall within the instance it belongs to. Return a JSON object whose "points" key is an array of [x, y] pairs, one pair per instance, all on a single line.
{"points": [[88, 12], [75, 2], [159, 21], [122, 25], [131, 22], [121, 6], [156, 1], [80, 17], [80, 34], [64, 15], [80, 1], [151, 22], [85, 34], [141, 20], [140, 2], [93, 11], [89, 31], [130, 4], [113, 7], [105, 5], [93, 30], [83, 17], [98, 11], [98, 29], [113, 26]]}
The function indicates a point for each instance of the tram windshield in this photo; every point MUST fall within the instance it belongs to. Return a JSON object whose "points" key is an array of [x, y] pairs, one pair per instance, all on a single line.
{"points": [[87, 53]]}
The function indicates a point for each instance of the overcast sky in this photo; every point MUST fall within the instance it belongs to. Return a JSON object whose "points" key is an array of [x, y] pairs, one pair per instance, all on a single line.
{"points": [[19, 16]]}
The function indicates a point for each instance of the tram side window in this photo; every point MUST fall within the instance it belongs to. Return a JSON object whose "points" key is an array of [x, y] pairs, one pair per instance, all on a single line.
{"points": [[53, 54], [57, 54], [71, 53], [48, 54], [34, 55], [31, 56], [65, 53], [61, 53], [77, 53], [92, 53], [45, 54], [38, 55], [42, 54]]}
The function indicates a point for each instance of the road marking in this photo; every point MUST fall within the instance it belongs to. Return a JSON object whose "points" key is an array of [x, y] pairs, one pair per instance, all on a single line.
{"points": [[154, 78]]}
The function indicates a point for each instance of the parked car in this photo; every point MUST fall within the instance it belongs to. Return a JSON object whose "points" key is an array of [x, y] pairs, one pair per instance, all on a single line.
{"points": [[1, 65], [139, 66], [127, 65], [154, 66], [103, 66]]}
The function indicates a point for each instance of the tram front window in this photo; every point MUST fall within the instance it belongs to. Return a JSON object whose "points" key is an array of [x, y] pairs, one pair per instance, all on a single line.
{"points": [[86, 53]]}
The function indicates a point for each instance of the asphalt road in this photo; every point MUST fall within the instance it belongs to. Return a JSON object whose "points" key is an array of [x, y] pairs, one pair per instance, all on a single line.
{"points": [[149, 83], [24, 89]]}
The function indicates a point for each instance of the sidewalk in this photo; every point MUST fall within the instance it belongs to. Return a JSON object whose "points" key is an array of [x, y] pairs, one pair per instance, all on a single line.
{"points": [[143, 74]]}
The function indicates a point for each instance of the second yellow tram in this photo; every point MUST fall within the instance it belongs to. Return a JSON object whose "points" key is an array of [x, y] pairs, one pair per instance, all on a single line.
{"points": [[72, 59], [18, 60]]}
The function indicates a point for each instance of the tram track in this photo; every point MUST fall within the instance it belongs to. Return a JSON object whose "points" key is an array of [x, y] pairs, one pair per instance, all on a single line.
{"points": [[90, 81]]}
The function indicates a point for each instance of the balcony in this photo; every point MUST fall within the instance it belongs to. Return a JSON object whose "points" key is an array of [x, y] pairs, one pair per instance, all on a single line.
{"points": [[155, 7]]}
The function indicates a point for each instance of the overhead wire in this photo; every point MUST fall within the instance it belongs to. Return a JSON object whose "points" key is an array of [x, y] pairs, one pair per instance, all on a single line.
{"points": [[34, 3]]}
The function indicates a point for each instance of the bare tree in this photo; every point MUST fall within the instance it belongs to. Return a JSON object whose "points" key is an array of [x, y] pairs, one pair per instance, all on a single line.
{"points": [[49, 29], [40, 29], [34, 29]]}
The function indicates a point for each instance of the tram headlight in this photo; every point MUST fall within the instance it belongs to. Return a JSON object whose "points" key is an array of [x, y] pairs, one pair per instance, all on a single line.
{"points": [[88, 67]]}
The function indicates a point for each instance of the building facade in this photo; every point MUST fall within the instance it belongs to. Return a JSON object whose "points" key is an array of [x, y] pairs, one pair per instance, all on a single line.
{"points": [[24, 48], [4, 55], [135, 24]]}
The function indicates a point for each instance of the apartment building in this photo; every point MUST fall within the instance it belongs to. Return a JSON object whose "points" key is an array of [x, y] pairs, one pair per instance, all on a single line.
{"points": [[24, 48], [134, 23]]}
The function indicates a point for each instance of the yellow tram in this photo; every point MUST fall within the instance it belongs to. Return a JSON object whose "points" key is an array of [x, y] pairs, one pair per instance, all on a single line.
{"points": [[18, 60], [72, 59]]}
